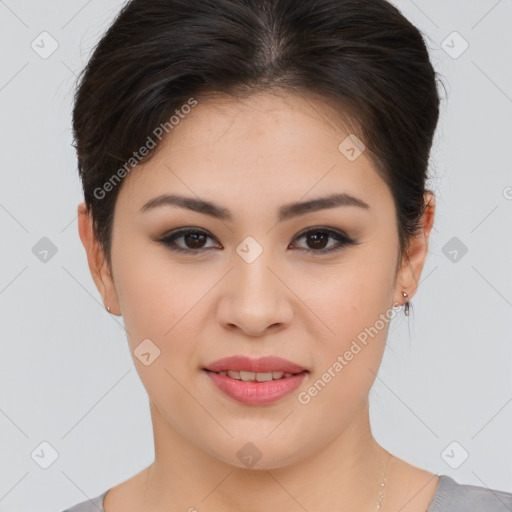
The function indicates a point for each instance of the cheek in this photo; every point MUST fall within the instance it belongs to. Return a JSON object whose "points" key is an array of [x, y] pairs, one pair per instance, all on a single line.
{"points": [[351, 295], [158, 305], [347, 360], [164, 302], [152, 296], [354, 303]]}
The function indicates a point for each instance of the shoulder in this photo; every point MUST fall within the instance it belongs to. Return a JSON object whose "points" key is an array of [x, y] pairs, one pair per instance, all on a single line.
{"points": [[93, 505], [451, 496]]}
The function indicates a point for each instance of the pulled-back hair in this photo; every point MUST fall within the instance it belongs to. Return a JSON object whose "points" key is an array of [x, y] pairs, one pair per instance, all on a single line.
{"points": [[364, 58]]}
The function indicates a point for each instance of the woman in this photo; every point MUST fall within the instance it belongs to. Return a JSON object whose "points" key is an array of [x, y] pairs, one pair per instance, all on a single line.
{"points": [[254, 178]]}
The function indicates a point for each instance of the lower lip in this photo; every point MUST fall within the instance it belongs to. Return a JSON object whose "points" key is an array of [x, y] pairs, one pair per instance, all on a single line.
{"points": [[256, 393]]}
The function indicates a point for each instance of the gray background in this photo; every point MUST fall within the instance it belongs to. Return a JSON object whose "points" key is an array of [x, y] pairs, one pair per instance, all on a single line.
{"points": [[67, 377]]}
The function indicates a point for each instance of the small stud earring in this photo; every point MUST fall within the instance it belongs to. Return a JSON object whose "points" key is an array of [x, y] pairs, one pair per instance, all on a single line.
{"points": [[108, 309]]}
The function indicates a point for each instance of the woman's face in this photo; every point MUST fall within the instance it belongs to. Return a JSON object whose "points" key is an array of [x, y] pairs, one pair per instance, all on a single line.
{"points": [[267, 279]]}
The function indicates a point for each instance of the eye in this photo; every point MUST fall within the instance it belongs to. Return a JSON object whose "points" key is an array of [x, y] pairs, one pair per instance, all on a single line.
{"points": [[317, 238], [194, 240]]}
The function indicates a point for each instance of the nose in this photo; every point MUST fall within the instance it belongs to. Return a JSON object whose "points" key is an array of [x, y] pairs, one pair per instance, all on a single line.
{"points": [[255, 298]]}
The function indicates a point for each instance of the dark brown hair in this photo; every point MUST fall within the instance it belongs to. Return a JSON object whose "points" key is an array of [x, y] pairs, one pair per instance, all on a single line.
{"points": [[362, 57]]}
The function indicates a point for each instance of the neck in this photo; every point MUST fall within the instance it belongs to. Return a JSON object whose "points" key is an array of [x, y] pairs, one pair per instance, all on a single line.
{"points": [[345, 475]]}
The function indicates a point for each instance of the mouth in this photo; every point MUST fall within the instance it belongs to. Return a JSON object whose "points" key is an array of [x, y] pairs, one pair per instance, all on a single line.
{"points": [[262, 369], [256, 388], [259, 381], [256, 376]]}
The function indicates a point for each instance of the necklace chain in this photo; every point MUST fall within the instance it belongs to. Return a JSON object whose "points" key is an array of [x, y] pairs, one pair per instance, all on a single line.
{"points": [[382, 486]]}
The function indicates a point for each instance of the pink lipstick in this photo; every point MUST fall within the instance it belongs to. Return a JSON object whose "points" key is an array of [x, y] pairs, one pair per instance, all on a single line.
{"points": [[255, 381]]}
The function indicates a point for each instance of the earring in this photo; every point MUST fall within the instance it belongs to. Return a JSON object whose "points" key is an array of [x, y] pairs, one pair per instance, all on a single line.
{"points": [[108, 309], [406, 305]]}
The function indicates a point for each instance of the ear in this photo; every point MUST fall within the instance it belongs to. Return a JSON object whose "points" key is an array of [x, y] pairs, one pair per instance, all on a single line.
{"points": [[412, 266], [98, 265]]}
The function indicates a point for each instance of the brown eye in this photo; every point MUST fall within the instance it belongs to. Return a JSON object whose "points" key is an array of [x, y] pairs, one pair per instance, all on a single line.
{"points": [[193, 240], [317, 240]]}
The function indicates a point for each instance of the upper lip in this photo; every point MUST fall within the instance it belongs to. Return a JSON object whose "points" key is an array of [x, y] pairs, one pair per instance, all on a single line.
{"points": [[260, 365]]}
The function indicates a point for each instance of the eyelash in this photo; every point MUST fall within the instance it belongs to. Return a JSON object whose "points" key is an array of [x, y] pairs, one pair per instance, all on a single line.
{"points": [[343, 240]]}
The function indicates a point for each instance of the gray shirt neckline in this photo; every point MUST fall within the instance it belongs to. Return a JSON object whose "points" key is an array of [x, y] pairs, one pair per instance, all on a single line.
{"points": [[449, 496]]}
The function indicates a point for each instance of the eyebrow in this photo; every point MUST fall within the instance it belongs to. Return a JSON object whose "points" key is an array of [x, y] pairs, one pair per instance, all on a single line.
{"points": [[285, 212]]}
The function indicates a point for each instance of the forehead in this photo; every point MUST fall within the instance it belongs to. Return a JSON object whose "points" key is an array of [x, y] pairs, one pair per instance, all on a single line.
{"points": [[275, 121], [263, 147]]}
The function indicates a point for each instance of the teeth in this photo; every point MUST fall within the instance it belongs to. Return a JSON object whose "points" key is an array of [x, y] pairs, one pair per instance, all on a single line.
{"points": [[263, 377], [255, 377], [248, 376]]}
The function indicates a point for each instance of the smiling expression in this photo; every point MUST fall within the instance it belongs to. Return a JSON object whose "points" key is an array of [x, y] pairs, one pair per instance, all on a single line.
{"points": [[250, 233]]}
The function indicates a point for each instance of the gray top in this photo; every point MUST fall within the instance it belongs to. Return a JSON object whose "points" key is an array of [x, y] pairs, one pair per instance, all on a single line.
{"points": [[450, 496]]}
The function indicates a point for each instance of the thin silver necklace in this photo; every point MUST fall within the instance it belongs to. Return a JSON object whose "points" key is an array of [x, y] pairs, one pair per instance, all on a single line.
{"points": [[382, 486]]}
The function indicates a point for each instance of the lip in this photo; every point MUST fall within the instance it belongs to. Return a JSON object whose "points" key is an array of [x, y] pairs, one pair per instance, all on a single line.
{"points": [[256, 393], [260, 365]]}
